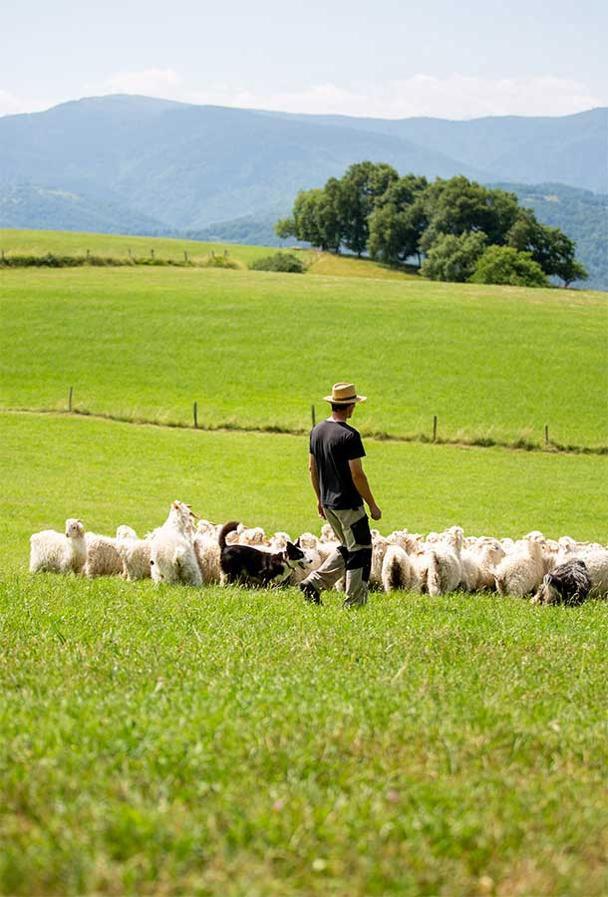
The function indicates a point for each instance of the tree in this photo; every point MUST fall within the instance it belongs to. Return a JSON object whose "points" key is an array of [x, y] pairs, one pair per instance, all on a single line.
{"points": [[549, 246], [285, 227], [460, 206], [394, 234], [505, 265], [305, 216], [360, 189], [328, 213], [453, 258], [404, 191], [398, 221]]}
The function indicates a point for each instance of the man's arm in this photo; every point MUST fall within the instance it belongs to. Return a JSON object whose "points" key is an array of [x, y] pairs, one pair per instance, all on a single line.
{"points": [[314, 479], [363, 488]]}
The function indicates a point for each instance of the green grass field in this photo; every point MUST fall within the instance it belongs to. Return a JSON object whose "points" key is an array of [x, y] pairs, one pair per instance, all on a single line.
{"points": [[170, 741], [255, 349], [41, 242], [110, 473]]}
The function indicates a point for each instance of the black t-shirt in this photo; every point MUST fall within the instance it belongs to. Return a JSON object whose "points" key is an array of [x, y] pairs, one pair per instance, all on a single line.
{"points": [[333, 444]]}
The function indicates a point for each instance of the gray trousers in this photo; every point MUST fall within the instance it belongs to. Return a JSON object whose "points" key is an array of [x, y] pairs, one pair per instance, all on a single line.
{"points": [[353, 556]]}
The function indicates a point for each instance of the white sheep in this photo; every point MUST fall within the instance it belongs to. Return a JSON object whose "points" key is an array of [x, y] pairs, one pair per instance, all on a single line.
{"points": [[440, 565], [379, 549], [399, 570], [53, 552], [253, 536], [521, 572], [479, 562], [207, 550], [327, 533], [135, 553], [103, 557], [277, 542], [172, 555], [596, 560]]}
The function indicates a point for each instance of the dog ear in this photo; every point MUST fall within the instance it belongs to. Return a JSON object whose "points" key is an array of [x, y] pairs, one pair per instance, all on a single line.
{"points": [[297, 542]]}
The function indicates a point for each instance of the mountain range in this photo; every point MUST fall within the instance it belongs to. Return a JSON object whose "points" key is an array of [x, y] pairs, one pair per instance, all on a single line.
{"points": [[137, 164]]}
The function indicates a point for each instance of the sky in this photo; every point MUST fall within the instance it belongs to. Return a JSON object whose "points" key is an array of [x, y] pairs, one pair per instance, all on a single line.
{"points": [[389, 59]]}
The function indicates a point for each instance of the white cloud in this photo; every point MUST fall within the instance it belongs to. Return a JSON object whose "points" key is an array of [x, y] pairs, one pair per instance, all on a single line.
{"points": [[457, 96], [13, 105], [150, 82]]}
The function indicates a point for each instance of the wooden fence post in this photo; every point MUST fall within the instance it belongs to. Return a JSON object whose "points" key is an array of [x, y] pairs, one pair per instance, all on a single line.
{"points": [[313, 415], [434, 428], [185, 256], [70, 394], [195, 415], [546, 434], [151, 253]]}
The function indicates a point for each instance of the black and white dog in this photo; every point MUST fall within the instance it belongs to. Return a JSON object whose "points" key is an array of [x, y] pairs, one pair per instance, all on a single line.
{"points": [[569, 583], [253, 567]]}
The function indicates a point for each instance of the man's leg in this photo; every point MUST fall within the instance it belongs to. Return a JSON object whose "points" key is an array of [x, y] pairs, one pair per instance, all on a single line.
{"points": [[334, 567], [359, 560]]}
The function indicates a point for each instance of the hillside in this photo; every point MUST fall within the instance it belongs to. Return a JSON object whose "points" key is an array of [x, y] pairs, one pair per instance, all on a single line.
{"points": [[29, 205], [570, 149], [138, 165], [580, 214], [189, 166], [239, 341]]}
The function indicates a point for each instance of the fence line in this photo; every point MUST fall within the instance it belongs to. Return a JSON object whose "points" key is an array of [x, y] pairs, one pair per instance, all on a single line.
{"points": [[520, 444]]}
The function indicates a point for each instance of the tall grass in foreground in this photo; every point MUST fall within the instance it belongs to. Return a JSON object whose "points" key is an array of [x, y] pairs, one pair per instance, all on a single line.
{"points": [[181, 741]]}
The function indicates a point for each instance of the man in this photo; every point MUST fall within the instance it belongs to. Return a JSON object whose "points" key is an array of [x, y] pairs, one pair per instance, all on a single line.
{"points": [[341, 487]]}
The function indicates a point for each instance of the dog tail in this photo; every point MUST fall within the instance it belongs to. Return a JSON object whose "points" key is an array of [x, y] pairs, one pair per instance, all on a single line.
{"points": [[229, 527]]}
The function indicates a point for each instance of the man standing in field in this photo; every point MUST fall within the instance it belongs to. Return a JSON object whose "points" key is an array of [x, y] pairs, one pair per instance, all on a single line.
{"points": [[341, 487]]}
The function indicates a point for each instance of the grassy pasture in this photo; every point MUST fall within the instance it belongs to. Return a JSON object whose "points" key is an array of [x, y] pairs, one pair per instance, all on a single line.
{"points": [[110, 473], [35, 242], [222, 742], [256, 349], [170, 741], [39, 242]]}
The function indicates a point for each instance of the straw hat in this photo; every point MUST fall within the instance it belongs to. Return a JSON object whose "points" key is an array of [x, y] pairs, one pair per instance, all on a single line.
{"points": [[344, 394]]}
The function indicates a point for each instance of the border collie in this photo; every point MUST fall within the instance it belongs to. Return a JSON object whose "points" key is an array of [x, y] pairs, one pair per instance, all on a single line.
{"points": [[254, 567]]}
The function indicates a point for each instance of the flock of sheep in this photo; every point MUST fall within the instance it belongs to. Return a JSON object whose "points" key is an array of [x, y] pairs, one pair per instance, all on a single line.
{"points": [[185, 549]]}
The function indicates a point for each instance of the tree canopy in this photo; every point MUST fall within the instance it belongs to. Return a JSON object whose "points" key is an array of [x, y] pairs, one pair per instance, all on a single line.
{"points": [[373, 210]]}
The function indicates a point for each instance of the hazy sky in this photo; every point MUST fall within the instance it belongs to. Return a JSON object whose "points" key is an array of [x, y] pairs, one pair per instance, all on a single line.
{"points": [[388, 58]]}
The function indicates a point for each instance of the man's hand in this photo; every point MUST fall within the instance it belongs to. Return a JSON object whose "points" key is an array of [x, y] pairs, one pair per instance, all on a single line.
{"points": [[320, 510], [375, 512]]}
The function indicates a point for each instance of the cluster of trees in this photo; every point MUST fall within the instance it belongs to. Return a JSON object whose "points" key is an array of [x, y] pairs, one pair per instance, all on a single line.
{"points": [[456, 229]]}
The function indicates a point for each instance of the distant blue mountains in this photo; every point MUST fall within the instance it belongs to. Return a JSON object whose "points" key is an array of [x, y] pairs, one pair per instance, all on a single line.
{"points": [[133, 164]]}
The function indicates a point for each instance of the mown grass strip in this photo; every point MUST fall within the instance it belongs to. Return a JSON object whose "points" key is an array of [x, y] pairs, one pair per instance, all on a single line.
{"points": [[228, 426]]}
